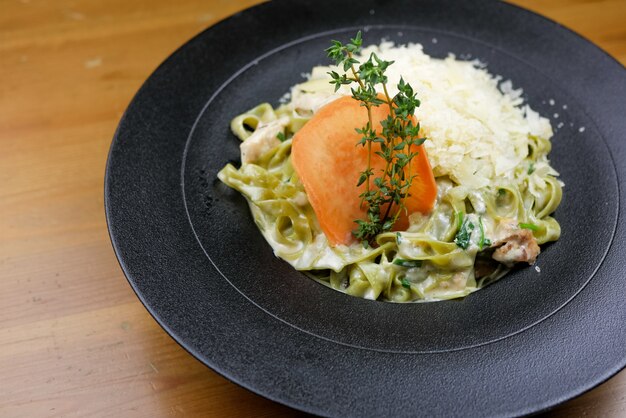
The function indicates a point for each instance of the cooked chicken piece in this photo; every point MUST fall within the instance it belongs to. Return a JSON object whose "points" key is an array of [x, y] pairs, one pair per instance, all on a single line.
{"points": [[514, 244], [262, 140]]}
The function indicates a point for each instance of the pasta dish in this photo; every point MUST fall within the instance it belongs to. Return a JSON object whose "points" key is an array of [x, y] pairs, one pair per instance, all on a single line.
{"points": [[479, 190]]}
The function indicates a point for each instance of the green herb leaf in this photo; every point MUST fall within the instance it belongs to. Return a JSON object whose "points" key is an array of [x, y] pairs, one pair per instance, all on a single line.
{"points": [[464, 235], [336, 52], [407, 263], [357, 41], [405, 283], [532, 227], [281, 137], [387, 225], [482, 241]]}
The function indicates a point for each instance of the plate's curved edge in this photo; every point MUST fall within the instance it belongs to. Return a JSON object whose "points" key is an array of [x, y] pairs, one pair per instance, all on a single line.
{"points": [[115, 142], [564, 27], [172, 333], [163, 323], [132, 102], [117, 250], [575, 394]]}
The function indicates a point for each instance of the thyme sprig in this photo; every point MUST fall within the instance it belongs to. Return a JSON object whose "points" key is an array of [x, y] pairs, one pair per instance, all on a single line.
{"points": [[396, 136]]}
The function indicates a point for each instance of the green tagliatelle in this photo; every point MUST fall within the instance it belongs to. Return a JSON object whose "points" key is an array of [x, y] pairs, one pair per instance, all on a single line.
{"points": [[443, 255]]}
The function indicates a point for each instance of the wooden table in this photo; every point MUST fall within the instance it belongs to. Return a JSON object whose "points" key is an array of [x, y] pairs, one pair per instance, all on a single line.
{"points": [[74, 338]]}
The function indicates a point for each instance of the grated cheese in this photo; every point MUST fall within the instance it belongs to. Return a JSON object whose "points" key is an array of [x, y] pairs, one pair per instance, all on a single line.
{"points": [[477, 126]]}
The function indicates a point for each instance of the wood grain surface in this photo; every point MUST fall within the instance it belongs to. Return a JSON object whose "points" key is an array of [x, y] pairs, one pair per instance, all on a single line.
{"points": [[74, 338]]}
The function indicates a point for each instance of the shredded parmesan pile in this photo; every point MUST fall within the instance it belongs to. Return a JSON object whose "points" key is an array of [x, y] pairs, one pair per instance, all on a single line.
{"points": [[477, 132]]}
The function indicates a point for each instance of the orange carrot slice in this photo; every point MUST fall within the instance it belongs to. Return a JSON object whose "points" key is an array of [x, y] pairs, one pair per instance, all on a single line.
{"points": [[328, 161]]}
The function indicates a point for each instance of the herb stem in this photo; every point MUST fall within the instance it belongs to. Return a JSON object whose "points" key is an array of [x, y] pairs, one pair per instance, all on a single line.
{"points": [[389, 101], [393, 144], [354, 72], [368, 106], [390, 186]]}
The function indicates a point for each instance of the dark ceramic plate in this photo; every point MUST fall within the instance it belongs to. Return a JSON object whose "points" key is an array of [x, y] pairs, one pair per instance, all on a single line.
{"points": [[191, 251]]}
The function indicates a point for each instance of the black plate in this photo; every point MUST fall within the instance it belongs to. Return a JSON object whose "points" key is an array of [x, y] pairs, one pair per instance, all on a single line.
{"points": [[191, 251]]}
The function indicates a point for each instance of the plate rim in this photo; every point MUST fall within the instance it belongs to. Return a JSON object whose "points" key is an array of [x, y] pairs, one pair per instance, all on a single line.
{"points": [[129, 274]]}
